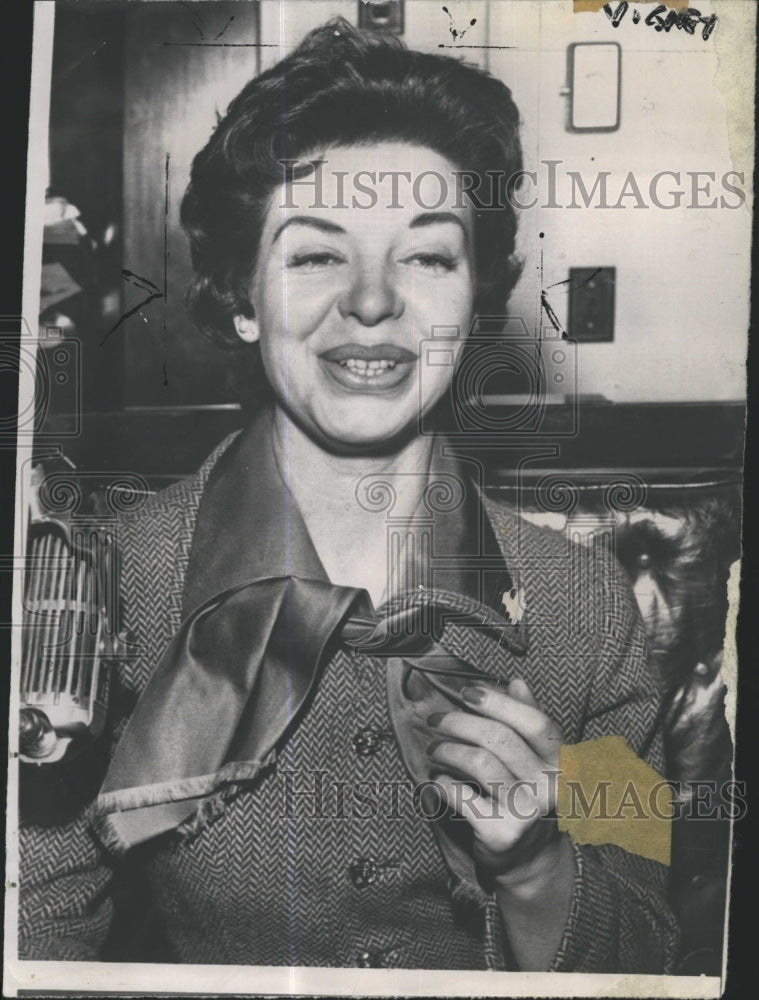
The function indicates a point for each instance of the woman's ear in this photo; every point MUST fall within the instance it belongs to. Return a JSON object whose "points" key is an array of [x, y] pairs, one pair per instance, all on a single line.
{"points": [[247, 328]]}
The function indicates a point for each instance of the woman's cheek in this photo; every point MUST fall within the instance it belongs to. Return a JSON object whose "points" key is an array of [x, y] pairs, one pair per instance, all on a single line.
{"points": [[446, 300], [308, 300]]}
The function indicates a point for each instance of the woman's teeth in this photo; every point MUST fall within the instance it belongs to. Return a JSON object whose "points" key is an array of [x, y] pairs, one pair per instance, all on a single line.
{"points": [[368, 369]]}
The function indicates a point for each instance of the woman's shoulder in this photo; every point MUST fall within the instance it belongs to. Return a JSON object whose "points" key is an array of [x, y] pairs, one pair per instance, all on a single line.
{"points": [[549, 552], [154, 543], [154, 539], [518, 533], [182, 496]]}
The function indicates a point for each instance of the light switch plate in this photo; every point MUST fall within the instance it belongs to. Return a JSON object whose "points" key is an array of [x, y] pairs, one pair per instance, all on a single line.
{"points": [[594, 86], [591, 303]]}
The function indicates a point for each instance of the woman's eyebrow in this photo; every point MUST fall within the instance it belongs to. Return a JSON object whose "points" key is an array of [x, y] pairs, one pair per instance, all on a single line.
{"points": [[323, 225], [430, 218]]}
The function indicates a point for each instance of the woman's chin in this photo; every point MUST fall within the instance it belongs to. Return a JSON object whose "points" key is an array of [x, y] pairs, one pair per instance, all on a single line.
{"points": [[360, 425], [365, 435]]}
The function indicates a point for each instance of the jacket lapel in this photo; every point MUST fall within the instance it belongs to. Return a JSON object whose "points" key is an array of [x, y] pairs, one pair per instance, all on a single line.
{"points": [[248, 525]]}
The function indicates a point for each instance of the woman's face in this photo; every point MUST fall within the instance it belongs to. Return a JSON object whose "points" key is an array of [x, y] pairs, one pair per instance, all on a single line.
{"points": [[345, 291]]}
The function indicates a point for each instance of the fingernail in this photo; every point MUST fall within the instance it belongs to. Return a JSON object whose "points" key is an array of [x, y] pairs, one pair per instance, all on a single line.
{"points": [[435, 719], [432, 747], [475, 696]]}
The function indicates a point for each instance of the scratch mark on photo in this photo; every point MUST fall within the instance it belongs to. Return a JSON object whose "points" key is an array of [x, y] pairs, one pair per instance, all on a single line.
{"points": [[552, 317]]}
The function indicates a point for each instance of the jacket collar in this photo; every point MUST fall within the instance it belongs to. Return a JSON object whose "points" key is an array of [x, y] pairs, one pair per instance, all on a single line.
{"points": [[248, 525]]}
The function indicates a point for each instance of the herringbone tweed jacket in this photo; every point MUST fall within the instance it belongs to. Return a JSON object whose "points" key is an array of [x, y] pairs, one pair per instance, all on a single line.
{"points": [[321, 860]]}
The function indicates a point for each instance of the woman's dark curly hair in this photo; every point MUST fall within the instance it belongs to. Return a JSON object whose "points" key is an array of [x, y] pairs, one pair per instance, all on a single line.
{"points": [[343, 86]]}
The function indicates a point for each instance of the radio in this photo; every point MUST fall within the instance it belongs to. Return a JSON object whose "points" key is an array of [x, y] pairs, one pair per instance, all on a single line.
{"points": [[68, 635]]}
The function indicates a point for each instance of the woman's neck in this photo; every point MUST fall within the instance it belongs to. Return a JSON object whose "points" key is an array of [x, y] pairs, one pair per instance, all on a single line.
{"points": [[327, 485], [345, 500]]}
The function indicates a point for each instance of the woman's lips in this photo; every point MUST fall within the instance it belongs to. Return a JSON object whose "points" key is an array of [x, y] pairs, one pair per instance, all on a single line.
{"points": [[375, 369], [373, 352]]}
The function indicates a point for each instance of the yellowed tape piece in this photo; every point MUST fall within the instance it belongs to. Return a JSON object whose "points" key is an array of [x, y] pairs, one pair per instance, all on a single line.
{"points": [[607, 795], [591, 6]]}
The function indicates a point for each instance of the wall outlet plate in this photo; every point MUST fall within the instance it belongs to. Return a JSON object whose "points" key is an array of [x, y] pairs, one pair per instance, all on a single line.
{"points": [[591, 303], [381, 16]]}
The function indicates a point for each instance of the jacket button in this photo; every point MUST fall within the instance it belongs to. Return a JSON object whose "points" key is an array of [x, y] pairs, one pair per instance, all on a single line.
{"points": [[374, 959], [364, 871], [369, 741]]}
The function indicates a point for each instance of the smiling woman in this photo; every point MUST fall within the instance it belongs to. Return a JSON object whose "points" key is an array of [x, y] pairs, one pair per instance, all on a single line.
{"points": [[329, 608], [339, 307]]}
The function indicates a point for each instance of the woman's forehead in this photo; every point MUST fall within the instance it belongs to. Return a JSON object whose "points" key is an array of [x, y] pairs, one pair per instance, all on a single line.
{"points": [[368, 183]]}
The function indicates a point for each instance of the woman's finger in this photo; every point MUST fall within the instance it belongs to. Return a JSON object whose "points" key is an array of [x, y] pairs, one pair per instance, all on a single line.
{"points": [[521, 792], [472, 764], [469, 803], [518, 689], [523, 798], [501, 740], [532, 724], [496, 828]]}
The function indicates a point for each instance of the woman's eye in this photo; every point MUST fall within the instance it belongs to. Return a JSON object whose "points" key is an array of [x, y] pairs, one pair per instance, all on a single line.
{"points": [[432, 261], [311, 260]]}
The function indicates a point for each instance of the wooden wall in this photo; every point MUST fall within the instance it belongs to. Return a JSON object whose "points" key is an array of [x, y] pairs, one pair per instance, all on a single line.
{"points": [[183, 65]]}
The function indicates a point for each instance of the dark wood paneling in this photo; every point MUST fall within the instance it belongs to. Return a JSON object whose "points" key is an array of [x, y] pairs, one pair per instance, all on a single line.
{"points": [[86, 142], [184, 63], [682, 441]]}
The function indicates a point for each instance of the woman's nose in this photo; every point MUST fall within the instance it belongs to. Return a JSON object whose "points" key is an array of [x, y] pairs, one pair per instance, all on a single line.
{"points": [[371, 298]]}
